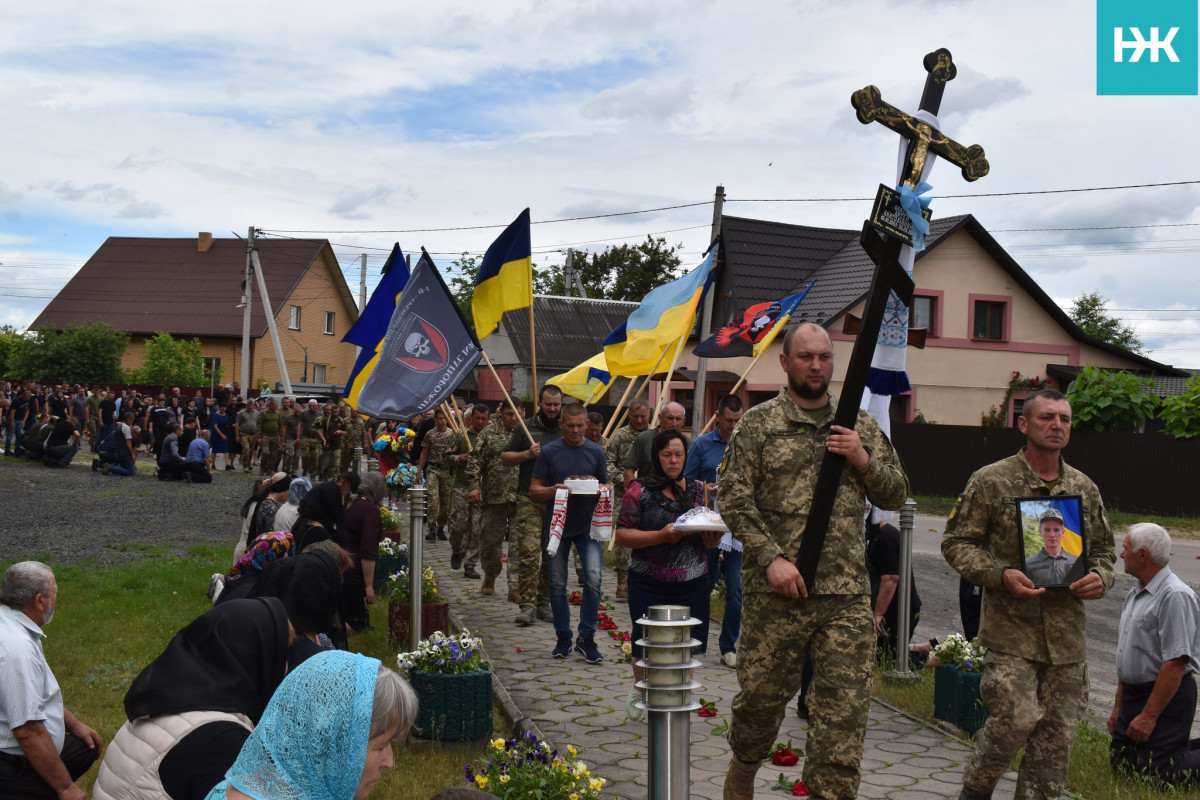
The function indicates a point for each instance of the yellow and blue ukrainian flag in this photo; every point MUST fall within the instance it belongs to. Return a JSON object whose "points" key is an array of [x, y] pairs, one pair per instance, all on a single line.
{"points": [[587, 381], [505, 281], [666, 313], [369, 330], [1072, 540]]}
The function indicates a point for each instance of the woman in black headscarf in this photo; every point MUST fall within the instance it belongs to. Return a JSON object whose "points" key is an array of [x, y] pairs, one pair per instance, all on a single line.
{"points": [[310, 587], [320, 514], [192, 708]]}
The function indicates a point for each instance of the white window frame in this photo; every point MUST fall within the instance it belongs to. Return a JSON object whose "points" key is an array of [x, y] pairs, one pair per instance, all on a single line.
{"points": [[330, 317], [294, 318]]}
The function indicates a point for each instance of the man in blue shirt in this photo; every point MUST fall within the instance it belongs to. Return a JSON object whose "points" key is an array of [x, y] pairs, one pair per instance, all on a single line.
{"points": [[572, 456], [197, 467], [704, 456]]}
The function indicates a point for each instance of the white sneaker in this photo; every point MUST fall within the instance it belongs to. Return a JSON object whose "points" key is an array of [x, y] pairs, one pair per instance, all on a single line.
{"points": [[729, 659], [631, 709]]}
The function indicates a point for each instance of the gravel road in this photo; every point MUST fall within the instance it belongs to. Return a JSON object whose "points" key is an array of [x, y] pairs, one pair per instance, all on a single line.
{"points": [[76, 515]]}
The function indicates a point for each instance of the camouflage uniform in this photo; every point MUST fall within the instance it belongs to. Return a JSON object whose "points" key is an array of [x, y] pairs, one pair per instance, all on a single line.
{"points": [[615, 453], [331, 457], [1036, 681], [498, 484], [464, 515], [269, 433], [767, 483], [356, 433], [310, 443], [291, 447], [533, 576], [437, 477]]}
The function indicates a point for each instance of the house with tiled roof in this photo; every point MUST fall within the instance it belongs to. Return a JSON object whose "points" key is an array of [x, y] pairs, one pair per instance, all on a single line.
{"points": [[983, 316], [192, 288]]}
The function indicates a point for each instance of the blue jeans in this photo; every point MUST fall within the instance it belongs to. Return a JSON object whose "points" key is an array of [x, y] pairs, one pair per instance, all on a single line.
{"points": [[123, 466], [16, 432], [731, 568], [590, 554]]}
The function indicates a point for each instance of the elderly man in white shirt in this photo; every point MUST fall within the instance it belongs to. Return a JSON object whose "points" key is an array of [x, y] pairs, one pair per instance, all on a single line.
{"points": [[37, 758], [1158, 652]]}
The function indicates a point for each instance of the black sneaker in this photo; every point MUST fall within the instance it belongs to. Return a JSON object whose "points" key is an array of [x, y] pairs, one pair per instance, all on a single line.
{"points": [[563, 648], [586, 647], [441, 535], [801, 708]]}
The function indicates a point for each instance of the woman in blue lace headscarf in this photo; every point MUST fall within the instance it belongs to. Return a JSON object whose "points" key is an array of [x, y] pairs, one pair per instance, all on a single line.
{"points": [[326, 735]]}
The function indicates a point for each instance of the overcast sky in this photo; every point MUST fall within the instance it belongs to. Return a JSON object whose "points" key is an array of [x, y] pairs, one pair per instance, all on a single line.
{"points": [[361, 121]]}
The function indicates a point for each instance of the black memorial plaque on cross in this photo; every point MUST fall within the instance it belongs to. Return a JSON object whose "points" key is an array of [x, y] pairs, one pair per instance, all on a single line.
{"points": [[883, 247]]}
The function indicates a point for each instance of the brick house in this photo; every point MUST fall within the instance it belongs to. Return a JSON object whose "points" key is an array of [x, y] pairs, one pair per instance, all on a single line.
{"points": [[192, 288]]}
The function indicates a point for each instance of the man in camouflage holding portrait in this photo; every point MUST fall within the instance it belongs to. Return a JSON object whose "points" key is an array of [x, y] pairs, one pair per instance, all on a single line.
{"points": [[494, 487], [766, 485], [1035, 683]]}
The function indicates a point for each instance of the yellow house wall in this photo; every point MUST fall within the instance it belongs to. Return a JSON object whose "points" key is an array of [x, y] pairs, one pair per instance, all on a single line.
{"points": [[226, 349], [316, 293]]}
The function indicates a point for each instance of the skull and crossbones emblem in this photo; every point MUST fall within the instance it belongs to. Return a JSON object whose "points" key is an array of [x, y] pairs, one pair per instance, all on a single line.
{"points": [[417, 345]]}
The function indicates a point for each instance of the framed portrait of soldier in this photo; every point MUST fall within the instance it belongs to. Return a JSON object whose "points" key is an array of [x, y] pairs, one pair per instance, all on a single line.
{"points": [[1053, 544]]}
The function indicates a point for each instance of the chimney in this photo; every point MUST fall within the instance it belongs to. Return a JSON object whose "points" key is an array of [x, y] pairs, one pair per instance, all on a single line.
{"points": [[204, 243]]}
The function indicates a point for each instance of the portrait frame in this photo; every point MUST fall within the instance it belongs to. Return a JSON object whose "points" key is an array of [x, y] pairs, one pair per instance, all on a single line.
{"points": [[1040, 521]]}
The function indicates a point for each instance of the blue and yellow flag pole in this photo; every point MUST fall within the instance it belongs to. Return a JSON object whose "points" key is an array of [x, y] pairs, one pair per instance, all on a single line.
{"points": [[674, 362], [537, 395], [520, 412], [632, 381]]}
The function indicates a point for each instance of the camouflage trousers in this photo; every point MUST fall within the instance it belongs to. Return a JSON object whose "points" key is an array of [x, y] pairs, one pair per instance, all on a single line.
{"points": [[331, 459], [533, 573], [497, 522], [835, 634], [437, 497], [348, 460], [464, 529], [310, 457], [1033, 705], [270, 454], [291, 456]]}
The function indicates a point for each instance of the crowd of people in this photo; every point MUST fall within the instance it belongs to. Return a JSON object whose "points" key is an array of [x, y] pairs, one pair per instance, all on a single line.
{"points": [[187, 437], [552, 483]]}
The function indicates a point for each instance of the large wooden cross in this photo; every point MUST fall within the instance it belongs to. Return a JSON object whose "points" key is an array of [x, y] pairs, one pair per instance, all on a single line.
{"points": [[889, 276]]}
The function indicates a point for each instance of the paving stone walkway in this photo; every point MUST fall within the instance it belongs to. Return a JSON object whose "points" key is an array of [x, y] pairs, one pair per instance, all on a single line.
{"points": [[572, 702]]}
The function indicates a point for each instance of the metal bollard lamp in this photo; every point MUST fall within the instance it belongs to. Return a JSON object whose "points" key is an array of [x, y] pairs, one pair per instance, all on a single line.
{"points": [[666, 688]]}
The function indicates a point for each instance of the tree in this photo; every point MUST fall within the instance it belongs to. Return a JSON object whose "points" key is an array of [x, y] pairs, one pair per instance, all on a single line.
{"points": [[77, 354], [171, 362], [1110, 401], [1180, 413], [1090, 313], [10, 340]]}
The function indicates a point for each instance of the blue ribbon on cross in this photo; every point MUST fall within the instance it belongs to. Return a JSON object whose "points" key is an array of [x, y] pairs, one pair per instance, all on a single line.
{"points": [[913, 203]]}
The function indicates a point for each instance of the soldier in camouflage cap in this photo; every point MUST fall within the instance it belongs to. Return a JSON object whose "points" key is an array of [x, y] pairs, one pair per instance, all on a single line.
{"points": [[767, 482], [618, 448], [495, 486], [1036, 680]]}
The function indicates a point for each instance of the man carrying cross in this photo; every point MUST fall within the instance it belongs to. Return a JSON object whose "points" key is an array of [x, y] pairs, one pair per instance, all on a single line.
{"points": [[767, 484]]}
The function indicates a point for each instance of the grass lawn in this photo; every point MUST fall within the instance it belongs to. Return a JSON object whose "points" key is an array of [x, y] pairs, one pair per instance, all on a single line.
{"points": [[112, 622]]}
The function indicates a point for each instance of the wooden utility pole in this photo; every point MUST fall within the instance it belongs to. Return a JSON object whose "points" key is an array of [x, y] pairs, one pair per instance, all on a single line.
{"points": [[701, 384]]}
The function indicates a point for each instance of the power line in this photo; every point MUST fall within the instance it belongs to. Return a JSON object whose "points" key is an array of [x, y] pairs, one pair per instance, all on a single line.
{"points": [[506, 224], [979, 194]]}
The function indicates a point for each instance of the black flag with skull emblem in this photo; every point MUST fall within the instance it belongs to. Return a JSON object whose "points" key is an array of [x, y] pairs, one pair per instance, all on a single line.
{"points": [[426, 353]]}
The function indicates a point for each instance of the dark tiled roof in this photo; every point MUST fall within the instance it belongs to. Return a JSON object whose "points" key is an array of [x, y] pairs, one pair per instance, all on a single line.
{"points": [[569, 330], [144, 285]]}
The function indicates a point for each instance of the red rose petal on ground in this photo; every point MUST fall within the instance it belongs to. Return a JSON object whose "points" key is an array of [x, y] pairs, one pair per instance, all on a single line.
{"points": [[800, 790], [707, 712], [518, 649]]}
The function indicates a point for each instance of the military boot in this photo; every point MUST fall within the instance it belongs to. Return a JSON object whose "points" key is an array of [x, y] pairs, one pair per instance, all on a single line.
{"points": [[622, 586], [971, 794], [739, 780], [488, 586]]}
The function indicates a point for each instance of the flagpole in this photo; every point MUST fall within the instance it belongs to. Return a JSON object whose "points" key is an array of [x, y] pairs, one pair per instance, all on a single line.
{"points": [[736, 386], [617, 410], [454, 400], [450, 420], [670, 371], [537, 396], [645, 383], [500, 383]]}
